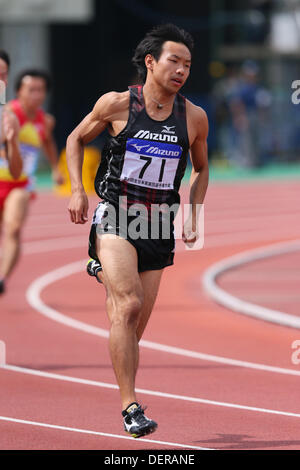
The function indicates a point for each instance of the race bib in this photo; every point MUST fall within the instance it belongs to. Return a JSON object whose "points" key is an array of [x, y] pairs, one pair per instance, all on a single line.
{"points": [[151, 164]]}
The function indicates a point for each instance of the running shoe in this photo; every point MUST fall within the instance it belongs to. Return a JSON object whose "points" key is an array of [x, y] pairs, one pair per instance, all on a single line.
{"points": [[93, 267], [136, 423]]}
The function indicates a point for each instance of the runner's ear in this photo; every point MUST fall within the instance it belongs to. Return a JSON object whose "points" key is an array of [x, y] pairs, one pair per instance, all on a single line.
{"points": [[149, 59]]}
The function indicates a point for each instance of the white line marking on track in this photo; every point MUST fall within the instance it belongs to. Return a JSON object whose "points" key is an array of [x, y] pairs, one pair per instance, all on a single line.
{"points": [[33, 295], [94, 383], [239, 305], [64, 242], [98, 433], [2, 353]]}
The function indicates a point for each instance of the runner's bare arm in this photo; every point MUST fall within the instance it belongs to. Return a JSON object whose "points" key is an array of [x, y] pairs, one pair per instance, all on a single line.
{"points": [[200, 170], [89, 128], [11, 143], [199, 159]]}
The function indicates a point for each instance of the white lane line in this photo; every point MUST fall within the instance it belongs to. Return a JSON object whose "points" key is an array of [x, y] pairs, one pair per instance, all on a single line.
{"points": [[94, 383], [230, 221], [2, 353], [244, 237], [242, 223], [64, 242], [210, 241], [239, 305], [98, 433], [33, 296]]}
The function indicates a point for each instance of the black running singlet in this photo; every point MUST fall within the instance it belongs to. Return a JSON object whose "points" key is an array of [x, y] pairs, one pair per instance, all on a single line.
{"points": [[147, 160]]}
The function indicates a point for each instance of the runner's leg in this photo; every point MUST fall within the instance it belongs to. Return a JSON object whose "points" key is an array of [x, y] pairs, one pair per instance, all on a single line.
{"points": [[150, 283], [14, 214], [124, 303], [2, 284]]}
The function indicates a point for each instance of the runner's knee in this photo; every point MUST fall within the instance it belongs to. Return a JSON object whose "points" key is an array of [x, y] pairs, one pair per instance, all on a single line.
{"points": [[127, 310], [12, 230]]}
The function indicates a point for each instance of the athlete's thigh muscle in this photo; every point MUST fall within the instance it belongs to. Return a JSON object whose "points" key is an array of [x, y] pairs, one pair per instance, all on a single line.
{"points": [[16, 207], [120, 267]]}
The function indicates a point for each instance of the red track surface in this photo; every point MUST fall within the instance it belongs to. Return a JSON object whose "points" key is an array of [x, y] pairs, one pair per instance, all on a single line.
{"points": [[208, 406]]}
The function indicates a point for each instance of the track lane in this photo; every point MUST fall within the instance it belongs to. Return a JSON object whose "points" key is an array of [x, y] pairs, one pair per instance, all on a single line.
{"points": [[216, 330]]}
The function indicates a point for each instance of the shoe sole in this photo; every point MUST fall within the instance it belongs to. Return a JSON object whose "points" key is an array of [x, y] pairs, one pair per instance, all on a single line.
{"points": [[145, 433]]}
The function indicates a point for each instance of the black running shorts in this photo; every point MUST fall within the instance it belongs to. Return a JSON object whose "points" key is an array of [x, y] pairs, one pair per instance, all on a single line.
{"points": [[154, 252]]}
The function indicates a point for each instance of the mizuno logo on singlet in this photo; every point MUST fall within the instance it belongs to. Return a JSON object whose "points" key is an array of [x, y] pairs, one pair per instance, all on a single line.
{"points": [[168, 129], [155, 136], [158, 151], [140, 147]]}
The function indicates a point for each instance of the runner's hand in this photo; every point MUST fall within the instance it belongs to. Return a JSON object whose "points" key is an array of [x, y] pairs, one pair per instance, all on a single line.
{"points": [[189, 233], [78, 207], [11, 126]]}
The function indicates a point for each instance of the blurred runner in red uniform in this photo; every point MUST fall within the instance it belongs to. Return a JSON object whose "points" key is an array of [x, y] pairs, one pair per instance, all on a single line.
{"points": [[35, 134]]}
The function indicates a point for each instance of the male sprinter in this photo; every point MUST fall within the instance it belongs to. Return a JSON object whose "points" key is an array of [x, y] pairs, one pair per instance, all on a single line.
{"points": [[10, 155], [152, 128], [9, 127], [35, 134]]}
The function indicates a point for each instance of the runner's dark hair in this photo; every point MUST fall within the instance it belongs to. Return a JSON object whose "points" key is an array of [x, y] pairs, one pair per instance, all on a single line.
{"points": [[36, 73], [4, 56], [153, 42]]}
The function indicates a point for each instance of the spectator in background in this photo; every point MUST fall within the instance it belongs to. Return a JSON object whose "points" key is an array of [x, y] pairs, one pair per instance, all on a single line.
{"points": [[222, 90], [249, 105], [242, 107]]}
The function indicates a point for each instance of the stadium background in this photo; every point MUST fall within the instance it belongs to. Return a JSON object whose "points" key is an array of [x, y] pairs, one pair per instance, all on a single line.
{"points": [[89, 53]]}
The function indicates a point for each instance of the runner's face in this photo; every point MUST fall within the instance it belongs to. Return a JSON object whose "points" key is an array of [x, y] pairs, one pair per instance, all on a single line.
{"points": [[32, 92], [173, 67], [3, 71]]}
